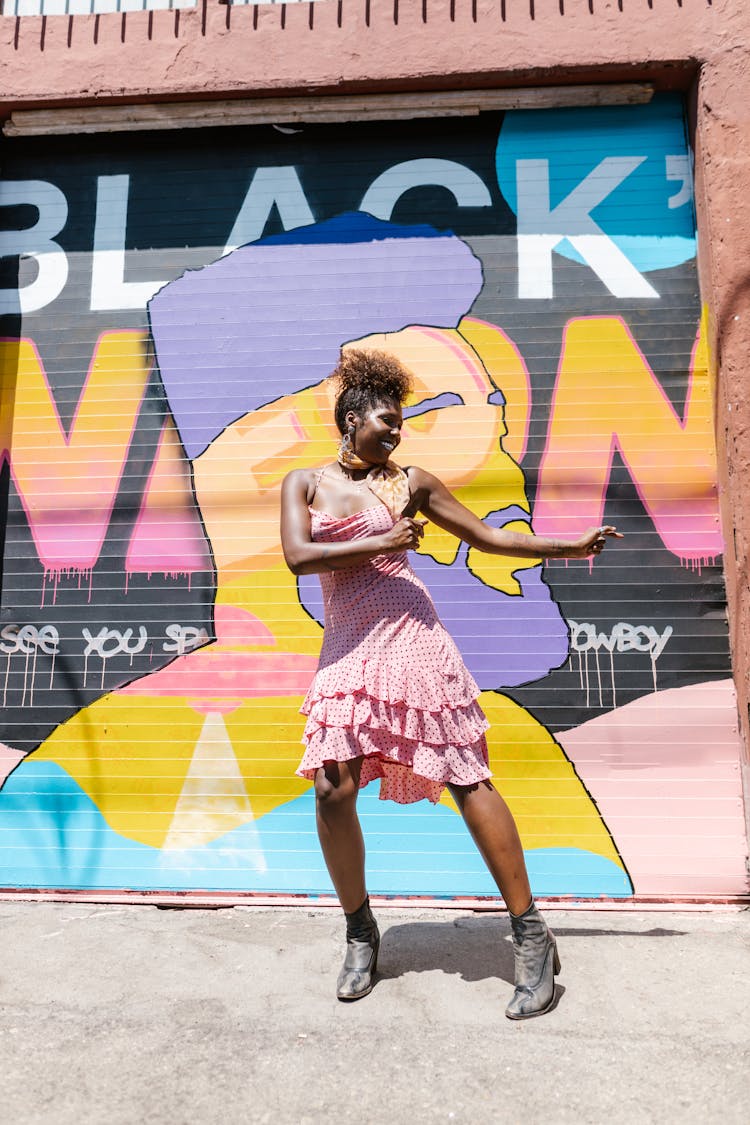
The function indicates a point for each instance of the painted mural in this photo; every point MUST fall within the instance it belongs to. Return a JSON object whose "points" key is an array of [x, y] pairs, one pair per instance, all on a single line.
{"points": [[171, 309]]}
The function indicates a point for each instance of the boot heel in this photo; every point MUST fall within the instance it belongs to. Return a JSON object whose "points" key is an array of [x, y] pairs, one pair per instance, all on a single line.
{"points": [[556, 963]]}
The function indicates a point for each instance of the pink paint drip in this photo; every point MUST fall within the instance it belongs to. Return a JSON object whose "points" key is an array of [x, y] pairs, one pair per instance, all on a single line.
{"points": [[175, 575], [57, 573], [697, 564]]}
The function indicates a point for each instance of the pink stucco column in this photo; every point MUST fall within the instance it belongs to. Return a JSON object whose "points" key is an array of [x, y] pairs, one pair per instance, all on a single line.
{"points": [[722, 142]]}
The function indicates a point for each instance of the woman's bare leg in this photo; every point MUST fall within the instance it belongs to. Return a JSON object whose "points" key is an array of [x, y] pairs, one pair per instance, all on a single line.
{"points": [[494, 831], [339, 831]]}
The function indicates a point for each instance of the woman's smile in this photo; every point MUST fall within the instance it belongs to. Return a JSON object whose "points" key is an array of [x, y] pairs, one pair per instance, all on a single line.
{"points": [[378, 433]]}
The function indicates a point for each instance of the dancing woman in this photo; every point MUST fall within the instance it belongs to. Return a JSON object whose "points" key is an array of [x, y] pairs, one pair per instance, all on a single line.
{"points": [[392, 697]]}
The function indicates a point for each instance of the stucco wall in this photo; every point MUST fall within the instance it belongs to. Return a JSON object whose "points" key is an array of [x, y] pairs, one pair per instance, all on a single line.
{"points": [[722, 172], [356, 44]]}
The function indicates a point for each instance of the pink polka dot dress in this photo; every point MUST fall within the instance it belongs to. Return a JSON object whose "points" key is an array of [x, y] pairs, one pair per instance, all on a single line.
{"points": [[391, 686]]}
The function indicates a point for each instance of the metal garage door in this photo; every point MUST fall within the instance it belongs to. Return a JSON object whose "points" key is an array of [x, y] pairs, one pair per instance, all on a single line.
{"points": [[172, 305]]}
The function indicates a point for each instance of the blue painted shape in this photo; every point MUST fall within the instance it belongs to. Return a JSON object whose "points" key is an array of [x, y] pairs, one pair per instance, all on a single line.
{"points": [[439, 402], [351, 226], [54, 836], [636, 215]]}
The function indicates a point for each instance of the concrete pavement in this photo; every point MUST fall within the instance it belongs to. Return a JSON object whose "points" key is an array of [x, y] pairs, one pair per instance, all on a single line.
{"points": [[133, 1014]]}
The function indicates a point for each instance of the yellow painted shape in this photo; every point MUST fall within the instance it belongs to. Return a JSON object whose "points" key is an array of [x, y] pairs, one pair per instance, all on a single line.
{"points": [[132, 756], [549, 802], [454, 442], [462, 445], [238, 478], [506, 368], [266, 735], [500, 485], [498, 570], [9, 357], [271, 595]]}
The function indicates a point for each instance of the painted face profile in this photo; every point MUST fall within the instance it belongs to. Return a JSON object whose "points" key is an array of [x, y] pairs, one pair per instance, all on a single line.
{"points": [[451, 426]]}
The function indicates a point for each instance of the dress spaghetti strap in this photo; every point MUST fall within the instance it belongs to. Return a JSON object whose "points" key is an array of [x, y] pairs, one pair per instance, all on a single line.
{"points": [[318, 477]]}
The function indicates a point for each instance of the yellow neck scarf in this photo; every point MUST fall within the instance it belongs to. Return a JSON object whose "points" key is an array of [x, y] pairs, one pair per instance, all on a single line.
{"points": [[389, 482]]}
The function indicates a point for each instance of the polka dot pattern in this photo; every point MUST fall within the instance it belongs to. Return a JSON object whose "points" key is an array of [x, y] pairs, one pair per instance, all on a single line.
{"points": [[391, 686]]}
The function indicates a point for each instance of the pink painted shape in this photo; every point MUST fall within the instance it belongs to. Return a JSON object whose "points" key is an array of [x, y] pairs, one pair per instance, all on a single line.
{"points": [[296, 425], [459, 352], [214, 706], [9, 759], [664, 772], [167, 540], [208, 674], [235, 626], [218, 677]]}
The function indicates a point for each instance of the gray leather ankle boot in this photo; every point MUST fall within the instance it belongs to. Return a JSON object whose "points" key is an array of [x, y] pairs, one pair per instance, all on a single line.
{"points": [[362, 945], [536, 961]]}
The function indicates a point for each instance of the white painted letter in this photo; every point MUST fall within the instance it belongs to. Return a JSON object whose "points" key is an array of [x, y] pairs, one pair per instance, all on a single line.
{"points": [[465, 186], [35, 242], [109, 290], [268, 186], [679, 168], [541, 228]]}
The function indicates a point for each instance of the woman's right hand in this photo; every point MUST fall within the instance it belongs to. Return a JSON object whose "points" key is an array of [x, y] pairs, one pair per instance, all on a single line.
{"points": [[405, 534]]}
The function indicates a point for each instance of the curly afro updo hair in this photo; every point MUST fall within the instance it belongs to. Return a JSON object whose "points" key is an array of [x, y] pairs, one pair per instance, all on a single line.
{"points": [[365, 380]]}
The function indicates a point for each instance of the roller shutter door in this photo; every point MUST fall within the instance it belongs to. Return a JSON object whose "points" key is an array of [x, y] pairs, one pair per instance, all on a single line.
{"points": [[177, 303]]}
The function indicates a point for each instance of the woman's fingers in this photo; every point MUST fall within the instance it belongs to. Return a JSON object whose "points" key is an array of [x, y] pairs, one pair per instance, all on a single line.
{"points": [[415, 529], [598, 537]]}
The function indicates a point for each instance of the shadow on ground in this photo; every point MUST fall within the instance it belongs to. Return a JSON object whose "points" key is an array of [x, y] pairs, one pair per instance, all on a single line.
{"points": [[474, 948]]}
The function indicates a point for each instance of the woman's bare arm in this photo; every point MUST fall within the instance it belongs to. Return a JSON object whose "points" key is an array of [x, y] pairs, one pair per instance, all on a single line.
{"points": [[432, 498], [303, 556]]}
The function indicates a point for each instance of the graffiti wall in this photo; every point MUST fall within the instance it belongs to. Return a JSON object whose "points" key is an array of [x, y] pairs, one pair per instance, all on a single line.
{"points": [[171, 306]]}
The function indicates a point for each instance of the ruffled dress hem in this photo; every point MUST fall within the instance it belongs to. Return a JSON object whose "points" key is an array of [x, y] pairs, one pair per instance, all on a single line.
{"points": [[415, 753]]}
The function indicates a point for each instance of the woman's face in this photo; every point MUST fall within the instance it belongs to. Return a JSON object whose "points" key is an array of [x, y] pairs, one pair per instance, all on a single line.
{"points": [[377, 433]]}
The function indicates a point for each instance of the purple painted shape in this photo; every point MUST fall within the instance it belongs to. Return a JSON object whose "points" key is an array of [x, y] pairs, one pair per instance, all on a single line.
{"points": [[505, 640], [270, 318]]}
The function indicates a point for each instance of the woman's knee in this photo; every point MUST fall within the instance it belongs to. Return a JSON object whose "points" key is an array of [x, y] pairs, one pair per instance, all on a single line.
{"points": [[335, 788]]}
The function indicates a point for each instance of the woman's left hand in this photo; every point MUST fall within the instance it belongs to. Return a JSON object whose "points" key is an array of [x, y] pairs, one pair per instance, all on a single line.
{"points": [[592, 543]]}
